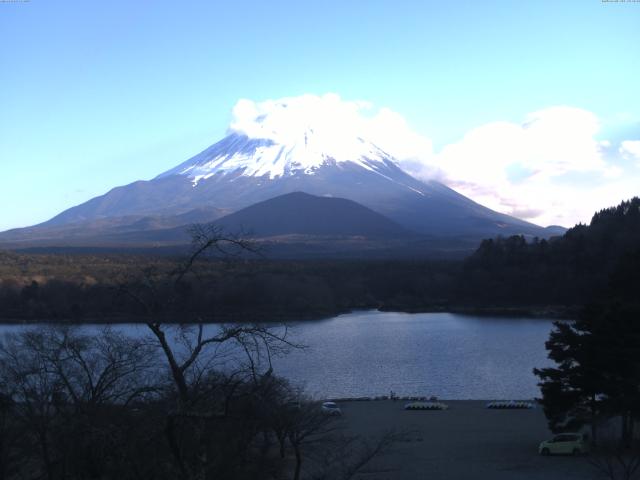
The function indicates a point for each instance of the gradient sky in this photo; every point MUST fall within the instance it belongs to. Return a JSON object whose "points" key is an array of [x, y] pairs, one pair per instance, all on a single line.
{"points": [[99, 94]]}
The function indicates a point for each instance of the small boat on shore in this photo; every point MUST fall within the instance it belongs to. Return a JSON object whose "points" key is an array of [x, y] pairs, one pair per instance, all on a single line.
{"points": [[426, 406], [511, 404]]}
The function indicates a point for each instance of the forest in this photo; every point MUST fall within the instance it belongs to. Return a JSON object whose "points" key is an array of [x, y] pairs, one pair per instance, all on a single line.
{"points": [[504, 275]]}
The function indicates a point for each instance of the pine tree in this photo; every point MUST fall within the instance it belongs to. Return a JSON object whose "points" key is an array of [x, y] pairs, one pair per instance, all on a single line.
{"points": [[598, 359], [572, 392]]}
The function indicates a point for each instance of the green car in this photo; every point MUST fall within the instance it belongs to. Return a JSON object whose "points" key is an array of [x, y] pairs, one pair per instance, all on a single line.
{"points": [[565, 443]]}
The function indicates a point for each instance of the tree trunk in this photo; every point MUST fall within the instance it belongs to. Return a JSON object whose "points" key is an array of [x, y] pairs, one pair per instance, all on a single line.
{"points": [[594, 420], [296, 449], [626, 443], [45, 455], [170, 432], [266, 443], [3, 467], [176, 371]]}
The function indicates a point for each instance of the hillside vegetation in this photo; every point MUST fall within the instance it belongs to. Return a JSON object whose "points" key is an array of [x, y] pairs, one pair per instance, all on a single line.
{"points": [[509, 275], [567, 270]]}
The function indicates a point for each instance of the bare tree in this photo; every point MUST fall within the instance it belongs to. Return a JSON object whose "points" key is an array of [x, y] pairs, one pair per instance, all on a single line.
{"points": [[308, 425], [64, 388], [194, 349], [617, 464], [10, 435], [321, 448], [107, 368], [34, 394], [615, 459], [102, 406], [350, 455], [161, 292]]}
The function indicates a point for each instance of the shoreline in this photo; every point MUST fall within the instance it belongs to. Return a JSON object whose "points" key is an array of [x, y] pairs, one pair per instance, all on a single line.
{"points": [[414, 398], [559, 312]]}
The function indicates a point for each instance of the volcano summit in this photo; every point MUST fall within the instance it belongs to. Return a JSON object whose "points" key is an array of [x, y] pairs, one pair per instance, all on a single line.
{"points": [[288, 148]]}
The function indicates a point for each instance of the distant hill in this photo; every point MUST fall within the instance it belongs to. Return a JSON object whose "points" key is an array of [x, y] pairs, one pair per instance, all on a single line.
{"points": [[295, 225], [132, 230], [304, 214]]}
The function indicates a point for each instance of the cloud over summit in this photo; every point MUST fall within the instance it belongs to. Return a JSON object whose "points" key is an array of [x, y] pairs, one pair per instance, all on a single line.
{"points": [[331, 118], [550, 168]]}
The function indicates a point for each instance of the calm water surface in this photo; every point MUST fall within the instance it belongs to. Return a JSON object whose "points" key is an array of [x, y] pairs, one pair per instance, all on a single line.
{"points": [[448, 355]]}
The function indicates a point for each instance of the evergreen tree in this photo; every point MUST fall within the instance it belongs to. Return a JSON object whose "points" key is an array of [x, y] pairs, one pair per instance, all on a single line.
{"points": [[572, 392], [598, 359]]}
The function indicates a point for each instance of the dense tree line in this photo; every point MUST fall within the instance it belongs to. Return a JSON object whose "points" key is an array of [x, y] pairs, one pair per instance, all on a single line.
{"points": [[567, 270], [597, 356], [256, 289]]}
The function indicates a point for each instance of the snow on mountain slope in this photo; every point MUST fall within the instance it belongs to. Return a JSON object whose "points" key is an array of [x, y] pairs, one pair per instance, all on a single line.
{"points": [[257, 157], [293, 135], [301, 144]]}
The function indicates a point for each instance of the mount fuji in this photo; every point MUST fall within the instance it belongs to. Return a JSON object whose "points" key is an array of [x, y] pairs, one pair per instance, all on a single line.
{"points": [[268, 160]]}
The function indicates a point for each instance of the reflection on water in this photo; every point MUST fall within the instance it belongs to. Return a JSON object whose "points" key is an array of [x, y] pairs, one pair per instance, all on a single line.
{"points": [[448, 355]]}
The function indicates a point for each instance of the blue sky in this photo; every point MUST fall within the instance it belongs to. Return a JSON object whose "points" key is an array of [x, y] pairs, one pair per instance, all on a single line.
{"points": [[99, 94]]}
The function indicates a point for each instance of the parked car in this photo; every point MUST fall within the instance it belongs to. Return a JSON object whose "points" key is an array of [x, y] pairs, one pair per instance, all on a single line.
{"points": [[331, 408], [565, 443]]}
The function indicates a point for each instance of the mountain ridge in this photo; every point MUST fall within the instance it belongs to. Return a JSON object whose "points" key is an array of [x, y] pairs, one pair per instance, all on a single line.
{"points": [[240, 171]]}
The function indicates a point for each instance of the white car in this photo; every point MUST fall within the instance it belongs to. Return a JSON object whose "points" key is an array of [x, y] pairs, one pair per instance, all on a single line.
{"points": [[565, 443], [331, 408]]}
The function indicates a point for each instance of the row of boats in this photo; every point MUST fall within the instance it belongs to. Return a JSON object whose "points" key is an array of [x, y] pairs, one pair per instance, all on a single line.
{"points": [[508, 404]]}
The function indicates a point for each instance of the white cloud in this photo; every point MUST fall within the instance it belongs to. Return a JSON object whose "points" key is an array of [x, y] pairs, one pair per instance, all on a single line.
{"points": [[631, 149], [331, 117], [549, 169], [549, 143]]}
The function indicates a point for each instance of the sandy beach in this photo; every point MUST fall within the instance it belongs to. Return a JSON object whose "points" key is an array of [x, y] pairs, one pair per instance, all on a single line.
{"points": [[465, 442]]}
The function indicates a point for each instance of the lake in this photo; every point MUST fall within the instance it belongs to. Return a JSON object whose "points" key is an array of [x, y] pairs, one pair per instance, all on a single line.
{"points": [[451, 356]]}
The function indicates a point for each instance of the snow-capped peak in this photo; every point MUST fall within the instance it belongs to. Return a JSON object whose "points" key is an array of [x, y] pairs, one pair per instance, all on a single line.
{"points": [[285, 137]]}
